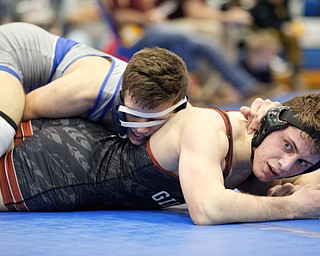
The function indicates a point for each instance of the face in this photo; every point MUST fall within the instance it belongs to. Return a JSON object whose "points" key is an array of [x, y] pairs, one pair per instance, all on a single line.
{"points": [[138, 135], [283, 153], [260, 60]]}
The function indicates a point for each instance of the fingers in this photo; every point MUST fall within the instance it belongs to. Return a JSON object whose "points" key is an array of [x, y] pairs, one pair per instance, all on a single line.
{"points": [[255, 113], [245, 111], [283, 190]]}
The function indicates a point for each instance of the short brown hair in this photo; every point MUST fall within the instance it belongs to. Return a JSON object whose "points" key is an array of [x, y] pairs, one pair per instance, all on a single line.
{"points": [[307, 110], [155, 76]]}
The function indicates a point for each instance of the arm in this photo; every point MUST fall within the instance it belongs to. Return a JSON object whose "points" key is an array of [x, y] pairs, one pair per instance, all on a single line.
{"points": [[288, 186], [209, 202], [71, 95]]}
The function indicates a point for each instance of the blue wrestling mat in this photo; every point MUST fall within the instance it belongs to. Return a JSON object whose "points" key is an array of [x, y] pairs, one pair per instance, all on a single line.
{"points": [[150, 233]]}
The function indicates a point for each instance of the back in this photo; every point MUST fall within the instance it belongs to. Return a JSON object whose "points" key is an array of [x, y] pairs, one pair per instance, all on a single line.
{"points": [[74, 164]]}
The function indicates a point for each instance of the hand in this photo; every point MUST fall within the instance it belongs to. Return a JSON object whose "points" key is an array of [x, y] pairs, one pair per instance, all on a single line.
{"points": [[283, 190], [257, 110], [306, 201]]}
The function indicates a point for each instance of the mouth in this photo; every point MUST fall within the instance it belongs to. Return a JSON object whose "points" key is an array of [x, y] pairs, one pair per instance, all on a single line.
{"points": [[271, 171], [137, 137]]}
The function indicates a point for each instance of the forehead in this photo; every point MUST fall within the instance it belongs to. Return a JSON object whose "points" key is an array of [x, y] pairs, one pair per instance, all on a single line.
{"points": [[131, 103], [303, 143]]}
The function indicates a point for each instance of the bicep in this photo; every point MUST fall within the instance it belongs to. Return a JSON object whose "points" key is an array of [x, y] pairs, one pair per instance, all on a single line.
{"points": [[65, 97], [200, 169]]}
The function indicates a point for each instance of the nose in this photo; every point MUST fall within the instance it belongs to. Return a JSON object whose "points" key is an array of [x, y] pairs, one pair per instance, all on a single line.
{"points": [[287, 164], [143, 129]]}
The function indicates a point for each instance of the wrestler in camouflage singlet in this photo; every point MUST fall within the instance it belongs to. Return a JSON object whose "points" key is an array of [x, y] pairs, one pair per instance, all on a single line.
{"points": [[36, 57], [74, 164]]}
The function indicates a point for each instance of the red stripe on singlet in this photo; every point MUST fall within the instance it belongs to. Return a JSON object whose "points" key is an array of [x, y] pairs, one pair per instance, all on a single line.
{"points": [[8, 181], [228, 158], [156, 164], [24, 131], [5, 190], [13, 183]]}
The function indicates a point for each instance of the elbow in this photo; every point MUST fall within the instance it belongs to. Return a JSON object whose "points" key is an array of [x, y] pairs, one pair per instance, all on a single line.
{"points": [[201, 221], [204, 217]]}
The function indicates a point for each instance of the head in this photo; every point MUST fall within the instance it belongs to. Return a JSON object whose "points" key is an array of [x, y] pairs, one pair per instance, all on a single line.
{"points": [[155, 85], [262, 47], [287, 142]]}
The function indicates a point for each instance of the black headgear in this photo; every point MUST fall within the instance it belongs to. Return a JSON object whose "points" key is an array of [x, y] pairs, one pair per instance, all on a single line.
{"points": [[280, 118]]}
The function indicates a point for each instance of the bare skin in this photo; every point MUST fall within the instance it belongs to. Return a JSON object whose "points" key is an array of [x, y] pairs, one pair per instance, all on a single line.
{"points": [[195, 153], [193, 144], [12, 99], [75, 93], [256, 111], [138, 136], [71, 95], [279, 187]]}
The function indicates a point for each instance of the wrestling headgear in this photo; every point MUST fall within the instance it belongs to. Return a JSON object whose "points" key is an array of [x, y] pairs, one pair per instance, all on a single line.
{"points": [[119, 115], [280, 118]]}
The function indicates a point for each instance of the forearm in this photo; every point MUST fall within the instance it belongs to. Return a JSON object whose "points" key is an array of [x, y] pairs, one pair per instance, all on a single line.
{"points": [[309, 178], [51, 103], [234, 207]]}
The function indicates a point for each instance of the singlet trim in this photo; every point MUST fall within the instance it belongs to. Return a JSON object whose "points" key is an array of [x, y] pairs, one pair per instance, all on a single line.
{"points": [[10, 189], [10, 71], [156, 164], [228, 158], [99, 97], [9, 185], [24, 131], [61, 48]]}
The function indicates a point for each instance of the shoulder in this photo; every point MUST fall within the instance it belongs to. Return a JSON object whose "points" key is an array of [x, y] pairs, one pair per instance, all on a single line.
{"points": [[202, 124], [206, 117]]}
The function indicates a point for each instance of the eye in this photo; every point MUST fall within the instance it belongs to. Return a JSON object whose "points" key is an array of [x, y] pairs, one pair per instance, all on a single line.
{"points": [[287, 146], [302, 162], [134, 118]]}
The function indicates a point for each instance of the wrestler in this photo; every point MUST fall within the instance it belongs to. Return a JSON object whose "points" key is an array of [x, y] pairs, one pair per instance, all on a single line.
{"points": [[284, 186], [197, 157], [63, 78]]}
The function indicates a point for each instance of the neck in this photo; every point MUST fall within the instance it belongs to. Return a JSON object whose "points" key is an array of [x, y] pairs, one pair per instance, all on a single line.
{"points": [[241, 164]]}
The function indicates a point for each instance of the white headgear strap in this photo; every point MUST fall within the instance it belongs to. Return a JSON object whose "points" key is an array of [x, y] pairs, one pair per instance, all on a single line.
{"points": [[148, 115]]}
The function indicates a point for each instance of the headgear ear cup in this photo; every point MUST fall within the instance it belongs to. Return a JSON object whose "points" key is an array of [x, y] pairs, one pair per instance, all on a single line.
{"points": [[270, 122], [117, 116]]}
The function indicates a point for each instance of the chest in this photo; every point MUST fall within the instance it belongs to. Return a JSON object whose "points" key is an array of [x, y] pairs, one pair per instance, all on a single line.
{"points": [[236, 177]]}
